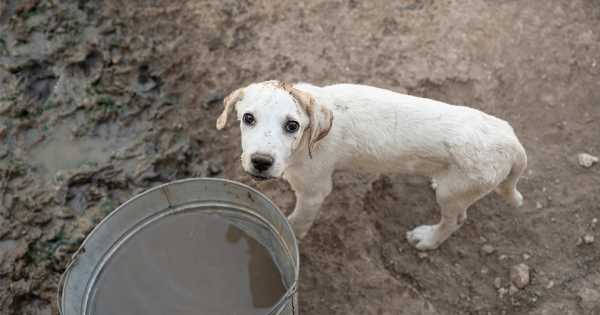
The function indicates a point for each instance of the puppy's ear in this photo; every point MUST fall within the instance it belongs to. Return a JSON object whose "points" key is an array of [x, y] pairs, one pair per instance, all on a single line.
{"points": [[321, 118], [229, 103]]}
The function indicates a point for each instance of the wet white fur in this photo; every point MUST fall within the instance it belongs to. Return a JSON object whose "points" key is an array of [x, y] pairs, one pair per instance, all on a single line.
{"points": [[465, 151]]}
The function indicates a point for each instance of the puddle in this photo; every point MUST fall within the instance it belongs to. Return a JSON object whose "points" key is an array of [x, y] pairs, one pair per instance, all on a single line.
{"points": [[61, 151], [189, 263]]}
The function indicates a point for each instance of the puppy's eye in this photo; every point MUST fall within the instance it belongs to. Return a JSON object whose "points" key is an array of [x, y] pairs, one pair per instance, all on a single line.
{"points": [[291, 126], [249, 119]]}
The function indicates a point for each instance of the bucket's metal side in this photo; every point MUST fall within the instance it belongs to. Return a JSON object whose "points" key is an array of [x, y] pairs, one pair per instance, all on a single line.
{"points": [[99, 242], [79, 274]]}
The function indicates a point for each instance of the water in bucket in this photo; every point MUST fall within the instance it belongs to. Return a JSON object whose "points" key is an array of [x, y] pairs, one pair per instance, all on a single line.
{"points": [[222, 270]]}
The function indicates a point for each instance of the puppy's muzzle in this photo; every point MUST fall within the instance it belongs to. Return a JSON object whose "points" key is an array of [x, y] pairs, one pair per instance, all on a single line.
{"points": [[261, 162]]}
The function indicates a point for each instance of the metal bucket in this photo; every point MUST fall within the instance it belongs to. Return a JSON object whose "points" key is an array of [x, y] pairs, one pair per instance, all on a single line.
{"points": [[248, 209]]}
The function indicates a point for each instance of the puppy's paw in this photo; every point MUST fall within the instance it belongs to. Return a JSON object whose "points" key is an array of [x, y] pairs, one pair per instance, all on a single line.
{"points": [[424, 237], [433, 184], [512, 196], [517, 199]]}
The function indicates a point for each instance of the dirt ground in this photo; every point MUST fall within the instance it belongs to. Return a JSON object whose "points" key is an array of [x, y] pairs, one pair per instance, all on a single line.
{"points": [[100, 100]]}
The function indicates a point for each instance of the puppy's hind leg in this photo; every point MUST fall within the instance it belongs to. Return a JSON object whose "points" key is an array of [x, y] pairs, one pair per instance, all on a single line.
{"points": [[508, 188], [454, 195]]}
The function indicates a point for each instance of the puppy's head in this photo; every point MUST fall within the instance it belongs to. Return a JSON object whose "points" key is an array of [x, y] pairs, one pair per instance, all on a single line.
{"points": [[275, 120]]}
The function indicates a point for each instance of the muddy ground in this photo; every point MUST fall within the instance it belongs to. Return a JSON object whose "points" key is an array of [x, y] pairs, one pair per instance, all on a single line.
{"points": [[100, 100]]}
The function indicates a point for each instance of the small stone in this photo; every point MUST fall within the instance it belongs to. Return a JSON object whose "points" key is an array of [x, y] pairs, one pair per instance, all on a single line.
{"points": [[587, 160], [498, 282], [503, 257], [485, 270], [588, 239], [526, 256], [422, 255], [594, 222], [538, 205], [487, 249], [519, 275], [65, 213], [550, 284]]}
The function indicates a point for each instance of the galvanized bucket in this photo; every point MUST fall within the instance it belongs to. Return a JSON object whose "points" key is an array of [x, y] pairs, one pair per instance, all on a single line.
{"points": [[252, 211]]}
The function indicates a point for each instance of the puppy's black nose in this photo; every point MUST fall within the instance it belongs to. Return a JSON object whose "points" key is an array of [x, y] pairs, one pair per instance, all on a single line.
{"points": [[261, 162]]}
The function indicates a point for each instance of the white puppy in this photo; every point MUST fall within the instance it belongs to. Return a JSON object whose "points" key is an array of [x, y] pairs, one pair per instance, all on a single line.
{"points": [[303, 133]]}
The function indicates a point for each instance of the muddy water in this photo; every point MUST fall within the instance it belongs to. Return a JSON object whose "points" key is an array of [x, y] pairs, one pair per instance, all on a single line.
{"points": [[190, 263]]}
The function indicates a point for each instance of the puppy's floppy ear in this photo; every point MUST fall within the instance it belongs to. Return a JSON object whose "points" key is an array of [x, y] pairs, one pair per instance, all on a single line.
{"points": [[321, 118], [229, 103]]}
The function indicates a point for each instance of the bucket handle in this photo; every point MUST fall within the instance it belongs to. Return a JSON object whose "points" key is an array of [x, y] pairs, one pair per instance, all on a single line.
{"points": [[289, 294]]}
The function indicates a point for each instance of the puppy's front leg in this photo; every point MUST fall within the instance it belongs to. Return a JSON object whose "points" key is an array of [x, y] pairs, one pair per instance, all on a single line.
{"points": [[309, 198]]}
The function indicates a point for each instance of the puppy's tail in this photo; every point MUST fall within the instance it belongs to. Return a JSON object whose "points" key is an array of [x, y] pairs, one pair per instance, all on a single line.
{"points": [[508, 187]]}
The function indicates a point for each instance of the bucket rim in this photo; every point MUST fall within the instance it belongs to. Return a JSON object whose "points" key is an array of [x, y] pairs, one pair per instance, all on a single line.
{"points": [[294, 252]]}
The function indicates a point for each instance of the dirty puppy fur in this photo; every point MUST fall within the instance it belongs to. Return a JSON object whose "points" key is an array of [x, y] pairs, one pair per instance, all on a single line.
{"points": [[303, 133]]}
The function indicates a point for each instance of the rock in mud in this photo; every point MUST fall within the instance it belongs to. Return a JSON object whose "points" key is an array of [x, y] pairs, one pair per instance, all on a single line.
{"points": [[519, 275], [498, 283], [587, 160], [588, 239], [538, 205], [488, 249]]}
